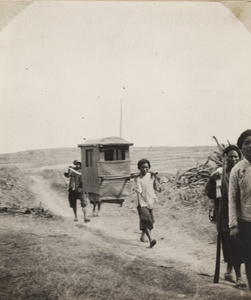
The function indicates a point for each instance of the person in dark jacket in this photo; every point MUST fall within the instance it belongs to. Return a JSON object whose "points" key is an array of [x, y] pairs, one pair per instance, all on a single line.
{"points": [[232, 251]]}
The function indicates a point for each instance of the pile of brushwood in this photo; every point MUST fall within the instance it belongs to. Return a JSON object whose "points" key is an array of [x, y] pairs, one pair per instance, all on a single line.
{"points": [[34, 211], [199, 175]]}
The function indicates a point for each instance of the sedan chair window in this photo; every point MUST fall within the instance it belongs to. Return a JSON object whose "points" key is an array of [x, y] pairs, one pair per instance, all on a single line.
{"points": [[114, 154], [88, 158]]}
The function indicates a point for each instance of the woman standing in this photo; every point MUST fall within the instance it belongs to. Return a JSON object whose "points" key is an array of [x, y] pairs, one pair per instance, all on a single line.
{"points": [[231, 249]]}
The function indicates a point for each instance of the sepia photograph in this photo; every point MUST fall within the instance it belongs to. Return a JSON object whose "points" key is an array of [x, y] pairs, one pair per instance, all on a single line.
{"points": [[125, 154]]}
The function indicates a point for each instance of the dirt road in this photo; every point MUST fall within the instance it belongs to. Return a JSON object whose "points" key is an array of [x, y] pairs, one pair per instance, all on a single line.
{"points": [[177, 246]]}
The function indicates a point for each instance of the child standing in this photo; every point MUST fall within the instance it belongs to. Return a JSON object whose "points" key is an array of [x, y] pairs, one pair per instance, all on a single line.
{"points": [[146, 197]]}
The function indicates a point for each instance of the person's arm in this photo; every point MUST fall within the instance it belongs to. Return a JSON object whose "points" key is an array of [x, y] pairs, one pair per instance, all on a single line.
{"points": [[213, 185], [234, 197], [75, 171], [137, 191]]}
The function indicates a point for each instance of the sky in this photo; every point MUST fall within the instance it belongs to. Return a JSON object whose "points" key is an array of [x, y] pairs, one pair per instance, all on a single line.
{"points": [[179, 70]]}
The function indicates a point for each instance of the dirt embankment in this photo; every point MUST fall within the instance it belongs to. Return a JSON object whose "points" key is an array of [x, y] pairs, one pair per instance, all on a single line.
{"points": [[104, 259]]}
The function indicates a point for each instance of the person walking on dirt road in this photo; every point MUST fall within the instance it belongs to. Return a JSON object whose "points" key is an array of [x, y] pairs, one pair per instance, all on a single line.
{"points": [[240, 200], [232, 251], [75, 191], [146, 197]]}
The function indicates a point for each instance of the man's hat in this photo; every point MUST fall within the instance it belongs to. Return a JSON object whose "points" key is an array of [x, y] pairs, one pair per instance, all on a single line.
{"points": [[76, 161], [242, 137]]}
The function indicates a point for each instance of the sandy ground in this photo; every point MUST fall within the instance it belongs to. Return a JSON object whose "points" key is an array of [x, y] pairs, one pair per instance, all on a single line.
{"points": [[177, 247], [122, 223]]}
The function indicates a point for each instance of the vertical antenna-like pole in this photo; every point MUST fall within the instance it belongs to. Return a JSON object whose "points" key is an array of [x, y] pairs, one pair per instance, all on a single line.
{"points": [[121, 104]]}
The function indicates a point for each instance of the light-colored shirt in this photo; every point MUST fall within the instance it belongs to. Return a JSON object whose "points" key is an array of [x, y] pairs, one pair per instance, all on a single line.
{"points": [[222, 188], [75, 179], [145, 190], [240, 193], [218, 182]]}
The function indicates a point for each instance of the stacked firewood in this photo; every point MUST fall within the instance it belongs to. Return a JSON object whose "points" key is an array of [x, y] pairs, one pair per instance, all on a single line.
{"points": [[35, 211], [195, 176], [218, 155], [198, 176]]}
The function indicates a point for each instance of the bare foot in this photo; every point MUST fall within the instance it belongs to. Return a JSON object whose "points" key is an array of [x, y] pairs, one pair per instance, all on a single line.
{"points": [[143, 240]]}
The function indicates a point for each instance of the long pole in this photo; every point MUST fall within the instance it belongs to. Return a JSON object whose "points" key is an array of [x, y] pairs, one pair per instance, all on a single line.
{"points": [[121, 106], [218, 248], [219, 224]]}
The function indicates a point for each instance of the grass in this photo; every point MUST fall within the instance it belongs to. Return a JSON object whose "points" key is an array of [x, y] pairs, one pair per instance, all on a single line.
{"points": [[14, 187], [50, 260], [165, 160], [43, 267]]}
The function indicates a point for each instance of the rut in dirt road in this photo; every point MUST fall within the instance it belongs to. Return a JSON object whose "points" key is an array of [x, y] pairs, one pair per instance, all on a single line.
{"points": [[121, 223], [49, 198]]}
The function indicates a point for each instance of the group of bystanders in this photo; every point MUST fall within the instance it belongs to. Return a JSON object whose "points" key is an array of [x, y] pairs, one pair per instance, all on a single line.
{"points": [[235, 208]]}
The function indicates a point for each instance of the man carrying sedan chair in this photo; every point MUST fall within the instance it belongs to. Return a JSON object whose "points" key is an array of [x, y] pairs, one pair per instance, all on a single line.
{"points": [[75, 191]]}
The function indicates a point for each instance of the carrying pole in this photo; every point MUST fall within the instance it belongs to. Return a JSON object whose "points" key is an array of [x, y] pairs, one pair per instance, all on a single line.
{"points": [[120, 131], [219, 194]]}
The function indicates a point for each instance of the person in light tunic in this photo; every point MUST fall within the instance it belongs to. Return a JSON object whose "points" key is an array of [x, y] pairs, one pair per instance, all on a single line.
{"points": [[146, 184], [240, 200]]}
